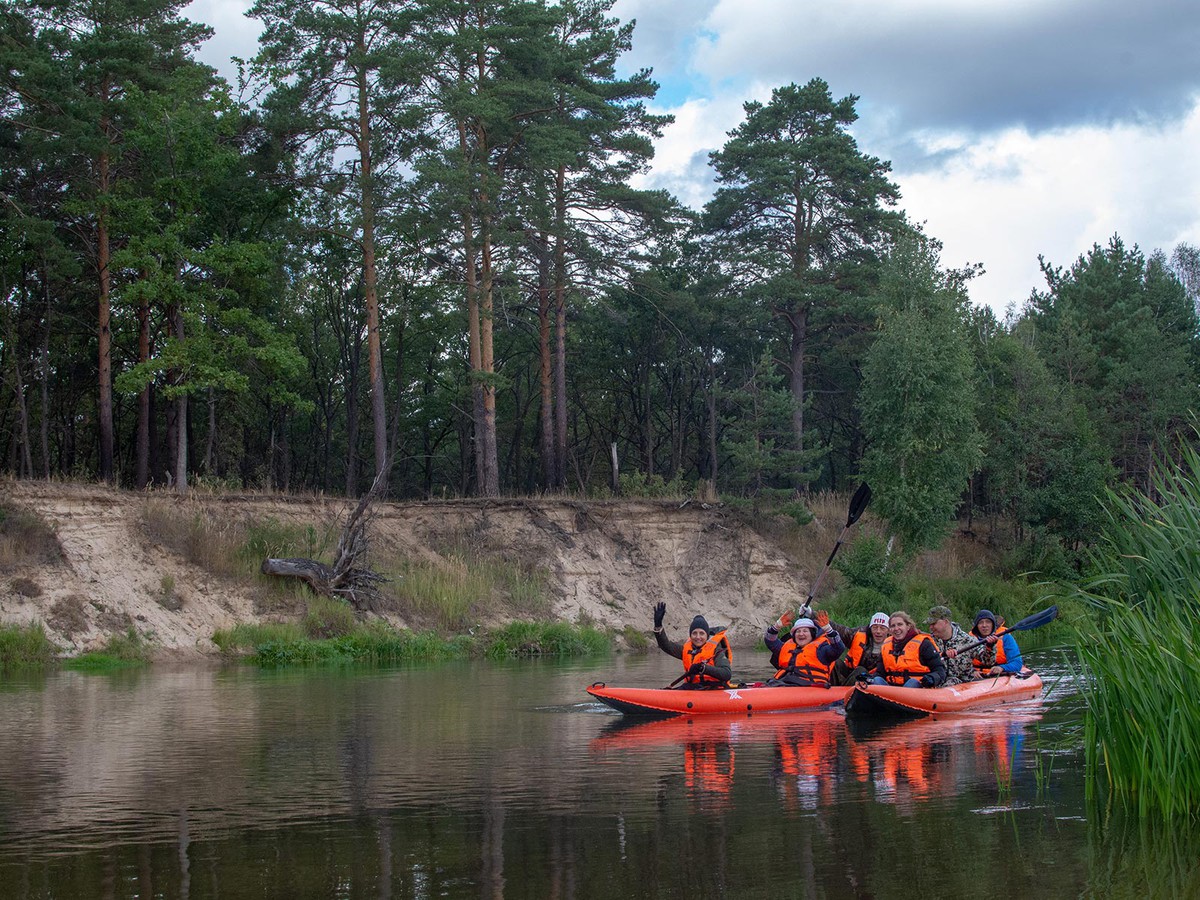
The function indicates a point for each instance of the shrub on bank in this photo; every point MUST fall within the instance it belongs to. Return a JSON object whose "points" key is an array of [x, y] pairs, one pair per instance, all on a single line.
{"points": [[121, 651], [24, 647], [381, 643]]}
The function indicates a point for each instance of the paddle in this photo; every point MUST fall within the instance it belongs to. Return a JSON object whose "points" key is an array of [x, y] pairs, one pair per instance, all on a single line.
{"points": [[1037, 620], [858, 503]]}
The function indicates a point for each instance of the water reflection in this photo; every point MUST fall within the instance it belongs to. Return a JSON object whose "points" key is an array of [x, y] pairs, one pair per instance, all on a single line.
{"points": [[471, 780]]}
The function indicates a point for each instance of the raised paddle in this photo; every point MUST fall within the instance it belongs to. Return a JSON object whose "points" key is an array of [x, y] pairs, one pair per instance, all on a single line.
{"points": [[1037, 620], [858, 503]]}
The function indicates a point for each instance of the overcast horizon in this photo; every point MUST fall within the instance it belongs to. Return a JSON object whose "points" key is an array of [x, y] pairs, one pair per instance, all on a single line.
{"points": [[1014, 129]]}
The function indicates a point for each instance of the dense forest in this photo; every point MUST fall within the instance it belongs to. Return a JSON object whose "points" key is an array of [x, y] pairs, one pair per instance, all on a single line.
{"points": [[412, 238]]}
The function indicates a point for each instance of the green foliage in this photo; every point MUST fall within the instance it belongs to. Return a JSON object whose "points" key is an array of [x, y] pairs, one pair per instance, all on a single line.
{"points": [[378, 642], [546, 639], [327, 617], [120, 651], [640, 485], [249, 635], [1143, 716], [24, 647], [918, 397], [865, 563]]}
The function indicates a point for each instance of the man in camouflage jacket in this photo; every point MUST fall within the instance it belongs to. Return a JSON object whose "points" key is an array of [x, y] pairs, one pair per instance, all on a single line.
{"points": [[949, 635]]}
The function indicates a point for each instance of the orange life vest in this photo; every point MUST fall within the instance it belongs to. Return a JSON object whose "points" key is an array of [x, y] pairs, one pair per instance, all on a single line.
{"points": [[899, 667], [858, 646], [1001, 656], [803, 661], [705, 655]]}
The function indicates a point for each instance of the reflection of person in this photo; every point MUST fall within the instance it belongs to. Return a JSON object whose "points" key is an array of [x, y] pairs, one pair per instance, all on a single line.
{"points": [[909, 657], [706, 655], [1008, 654], [951, 638], [807, 657], [862, 649]]}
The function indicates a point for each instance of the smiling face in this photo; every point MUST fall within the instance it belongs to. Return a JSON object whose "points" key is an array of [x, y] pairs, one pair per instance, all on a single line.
{"points": [[879, 633], [941, 629], [898, 627], [699, 636], [802, 636]]}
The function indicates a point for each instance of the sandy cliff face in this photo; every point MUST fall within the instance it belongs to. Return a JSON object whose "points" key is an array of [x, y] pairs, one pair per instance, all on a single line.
{"points": [[608, 561]]}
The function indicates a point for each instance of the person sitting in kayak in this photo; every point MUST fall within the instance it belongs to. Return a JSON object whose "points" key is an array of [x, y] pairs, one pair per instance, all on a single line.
{"points": [[1007, 655], [807, 657], [909, 657], [950, 638], [707, 659], [862, 649]]}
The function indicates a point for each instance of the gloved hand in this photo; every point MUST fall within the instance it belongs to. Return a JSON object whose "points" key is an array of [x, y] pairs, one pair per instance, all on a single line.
{"points": [[784, 622], [660, 610], [927, 681], [696, 669], [822, 620]]}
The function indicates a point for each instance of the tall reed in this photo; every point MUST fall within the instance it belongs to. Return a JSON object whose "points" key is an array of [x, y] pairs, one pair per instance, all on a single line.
{"points": [[1143, 693]]}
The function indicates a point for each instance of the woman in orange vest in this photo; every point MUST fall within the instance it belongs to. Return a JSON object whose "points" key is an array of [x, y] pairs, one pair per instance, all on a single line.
{"points": [[807, 657], [707, 659], [909, 657]]}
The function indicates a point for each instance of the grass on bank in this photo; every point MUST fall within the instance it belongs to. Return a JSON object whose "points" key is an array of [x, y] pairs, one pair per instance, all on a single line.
{"points": [[1143, 707], [378, 642], [120, 651], [25, 647]]}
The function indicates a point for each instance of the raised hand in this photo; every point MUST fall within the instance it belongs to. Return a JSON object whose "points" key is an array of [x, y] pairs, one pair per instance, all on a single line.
{"points": [[660, 610], [783, 622], [822, 619]]}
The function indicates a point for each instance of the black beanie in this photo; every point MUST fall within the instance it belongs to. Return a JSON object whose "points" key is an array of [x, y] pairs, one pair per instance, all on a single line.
{"points": [[700, 622]]}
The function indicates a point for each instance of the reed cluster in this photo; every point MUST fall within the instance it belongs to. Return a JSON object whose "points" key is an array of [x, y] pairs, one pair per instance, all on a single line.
{"points": [[1143, 706]]}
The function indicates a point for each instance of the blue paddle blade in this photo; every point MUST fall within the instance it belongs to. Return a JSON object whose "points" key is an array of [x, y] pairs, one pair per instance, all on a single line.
{"points": [[1036, 620]]}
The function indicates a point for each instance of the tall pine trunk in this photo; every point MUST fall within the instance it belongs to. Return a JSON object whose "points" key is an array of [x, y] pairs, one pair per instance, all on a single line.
{"points": [[143, 420], [370, 277], [103, 332], [546, 417], [560, 330], [799, 323]]}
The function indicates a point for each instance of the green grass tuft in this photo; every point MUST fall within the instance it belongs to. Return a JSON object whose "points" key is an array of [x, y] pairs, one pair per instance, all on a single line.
{"points": [[120, 651], [25, 647]]}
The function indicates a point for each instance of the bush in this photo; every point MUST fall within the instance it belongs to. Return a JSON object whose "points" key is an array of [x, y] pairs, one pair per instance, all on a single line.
{"points": [[24, 647], [25, 539], [866, 563], [121, 651], [328, 617]]}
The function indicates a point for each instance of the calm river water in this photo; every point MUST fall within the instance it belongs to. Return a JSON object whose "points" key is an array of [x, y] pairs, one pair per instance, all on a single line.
{"points": [[504, 780]]}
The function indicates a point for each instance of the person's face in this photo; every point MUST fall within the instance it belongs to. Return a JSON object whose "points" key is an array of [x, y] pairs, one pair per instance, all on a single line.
{"points": [[898, 627], [941, 629], [985, 627], [802, 636], [699, 636], [879, 633]]}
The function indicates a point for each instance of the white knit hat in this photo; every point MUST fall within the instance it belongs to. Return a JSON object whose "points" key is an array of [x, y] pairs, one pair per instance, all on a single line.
{"points": [[880, 619]]}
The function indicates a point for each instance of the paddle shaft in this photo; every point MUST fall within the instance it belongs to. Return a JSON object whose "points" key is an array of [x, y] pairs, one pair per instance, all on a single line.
{"points": [[1037, 620], [858, 503]]}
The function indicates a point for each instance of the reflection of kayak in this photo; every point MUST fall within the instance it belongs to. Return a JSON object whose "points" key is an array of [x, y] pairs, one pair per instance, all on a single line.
{"points": [[888, 700], [665, 702], [643, 732]]}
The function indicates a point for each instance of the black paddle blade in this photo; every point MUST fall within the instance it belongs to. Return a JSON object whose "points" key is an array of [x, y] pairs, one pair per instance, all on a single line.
{"points": [[1036, 620], [858, 503]]}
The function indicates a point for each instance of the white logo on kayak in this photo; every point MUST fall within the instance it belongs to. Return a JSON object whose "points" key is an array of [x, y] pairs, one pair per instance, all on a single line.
{"points": [[734, 695]]}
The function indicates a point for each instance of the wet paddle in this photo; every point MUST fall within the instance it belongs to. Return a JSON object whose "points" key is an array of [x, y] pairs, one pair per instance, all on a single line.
{"points": [[1037, 620], [858, 503]]}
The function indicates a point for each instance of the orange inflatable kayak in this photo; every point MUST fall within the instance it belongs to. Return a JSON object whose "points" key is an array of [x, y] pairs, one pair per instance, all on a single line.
{"points": [[667, 702], [889, 700]]}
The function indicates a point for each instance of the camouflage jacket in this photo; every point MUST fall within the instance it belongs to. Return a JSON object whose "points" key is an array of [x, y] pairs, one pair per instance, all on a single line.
{"points": [[961, 669]]}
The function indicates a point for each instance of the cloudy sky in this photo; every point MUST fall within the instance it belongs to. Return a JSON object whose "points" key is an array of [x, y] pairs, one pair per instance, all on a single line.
{"points": [[1014, 127]]}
